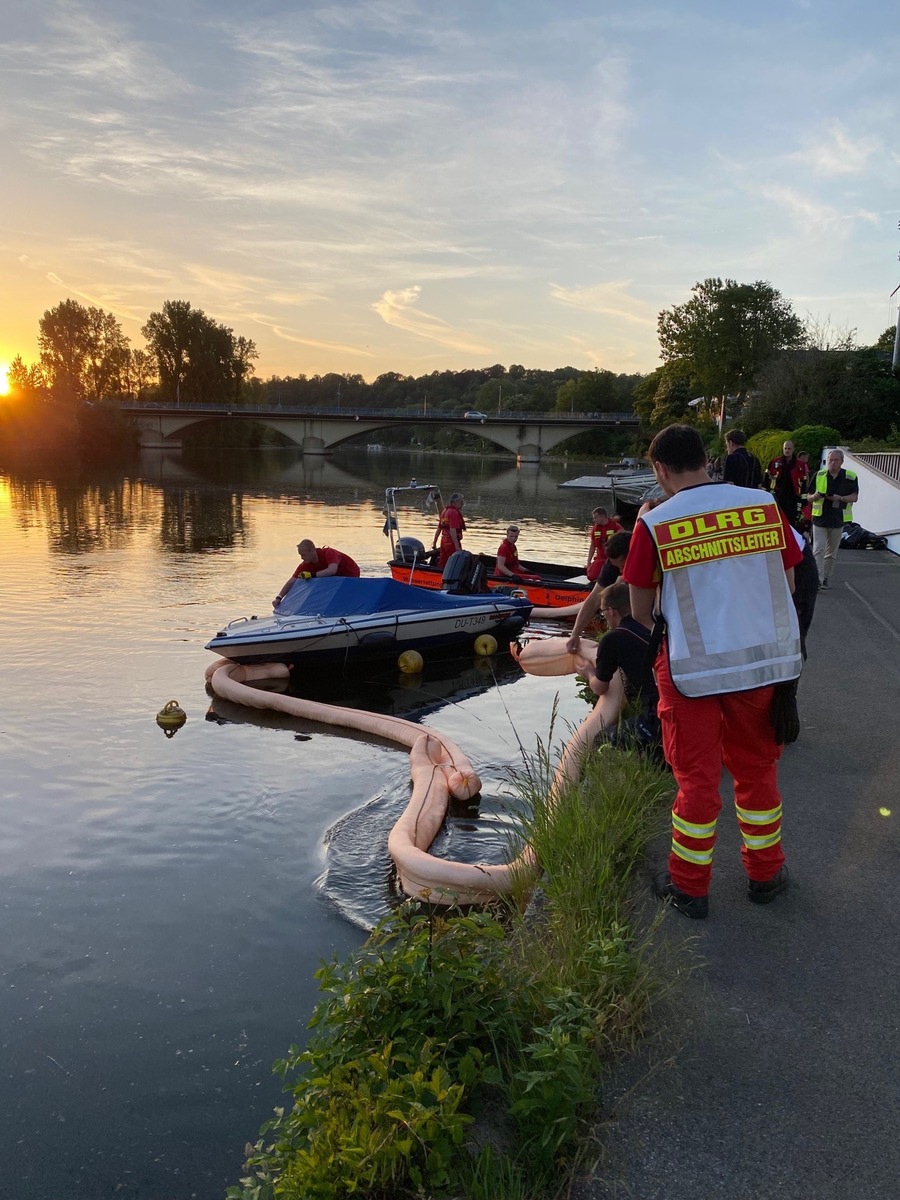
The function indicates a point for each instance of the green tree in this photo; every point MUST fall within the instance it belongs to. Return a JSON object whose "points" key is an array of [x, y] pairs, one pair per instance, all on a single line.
{"points": [[243, 355], [726, 332], [26, 381], [198, 359], [852, 391], [141, 372], [592, 391], [84, 353], [664, 395], [169, 334]]}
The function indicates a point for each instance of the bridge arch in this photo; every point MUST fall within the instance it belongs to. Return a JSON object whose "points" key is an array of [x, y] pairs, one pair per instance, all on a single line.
{"points": [[528, 436]]}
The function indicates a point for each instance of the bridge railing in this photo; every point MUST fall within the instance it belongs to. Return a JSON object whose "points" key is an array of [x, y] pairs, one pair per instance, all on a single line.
{"points": [[285, 410]]}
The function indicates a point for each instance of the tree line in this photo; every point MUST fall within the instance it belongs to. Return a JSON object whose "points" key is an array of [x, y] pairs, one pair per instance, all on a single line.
{"points": [[734, 352]]}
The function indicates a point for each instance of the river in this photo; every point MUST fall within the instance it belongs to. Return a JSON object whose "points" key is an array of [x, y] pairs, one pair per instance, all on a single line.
{"points": [[167, 900]]}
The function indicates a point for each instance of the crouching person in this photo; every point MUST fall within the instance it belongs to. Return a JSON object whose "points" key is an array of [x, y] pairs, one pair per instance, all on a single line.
{"points": [[625, 649]]}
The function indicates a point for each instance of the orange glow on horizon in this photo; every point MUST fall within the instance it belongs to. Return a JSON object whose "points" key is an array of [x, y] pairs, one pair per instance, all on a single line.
{"points": [[4, 379]]}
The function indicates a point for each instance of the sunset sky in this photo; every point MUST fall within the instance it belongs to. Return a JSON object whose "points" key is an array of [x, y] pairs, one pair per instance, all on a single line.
{"points": [[404, 185]]}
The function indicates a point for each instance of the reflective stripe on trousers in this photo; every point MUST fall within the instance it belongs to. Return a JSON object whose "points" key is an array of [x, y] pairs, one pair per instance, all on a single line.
{"points": [[701, 735]]}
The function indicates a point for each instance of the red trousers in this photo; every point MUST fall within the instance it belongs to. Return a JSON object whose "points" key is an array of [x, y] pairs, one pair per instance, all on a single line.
{"points": [[699, 736]]}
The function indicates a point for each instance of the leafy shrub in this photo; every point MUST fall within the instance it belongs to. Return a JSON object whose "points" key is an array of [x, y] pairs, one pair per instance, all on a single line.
{"points": [[814, 439], [440, 1016]]}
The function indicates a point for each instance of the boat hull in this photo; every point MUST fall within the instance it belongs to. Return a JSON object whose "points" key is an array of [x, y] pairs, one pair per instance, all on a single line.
{"points": [[562, 587], [329, 623]]}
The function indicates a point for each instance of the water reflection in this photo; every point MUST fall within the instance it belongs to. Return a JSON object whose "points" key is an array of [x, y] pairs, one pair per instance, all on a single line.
{"points": [[193, 521]]}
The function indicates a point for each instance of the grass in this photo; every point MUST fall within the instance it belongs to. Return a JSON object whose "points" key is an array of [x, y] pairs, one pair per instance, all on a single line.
{"points": [[459, 1056]]}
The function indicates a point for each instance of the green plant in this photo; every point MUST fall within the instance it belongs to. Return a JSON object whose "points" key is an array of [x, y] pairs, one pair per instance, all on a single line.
{"points": [[444, 1016]]}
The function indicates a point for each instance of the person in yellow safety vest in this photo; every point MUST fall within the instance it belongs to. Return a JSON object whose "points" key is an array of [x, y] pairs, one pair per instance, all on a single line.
{"points": [[717, 562], [836, 489]]}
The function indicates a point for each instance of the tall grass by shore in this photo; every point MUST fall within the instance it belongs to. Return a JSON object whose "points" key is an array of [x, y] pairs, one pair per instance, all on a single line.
{"points": [[458, 1055]]}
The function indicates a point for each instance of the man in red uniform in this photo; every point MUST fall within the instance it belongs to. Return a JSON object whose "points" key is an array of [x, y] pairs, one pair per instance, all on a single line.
{"points": [[718, 561], [451, 527], [602, 529], [508, 564], [784, 478], [318, 563]]}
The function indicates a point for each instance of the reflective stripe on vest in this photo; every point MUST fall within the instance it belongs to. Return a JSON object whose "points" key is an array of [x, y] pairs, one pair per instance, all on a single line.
{"points": [[822, 486], [731, 621]]}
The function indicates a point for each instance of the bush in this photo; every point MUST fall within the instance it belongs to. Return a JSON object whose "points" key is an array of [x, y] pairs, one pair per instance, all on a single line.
{"points": [[767, 445]]}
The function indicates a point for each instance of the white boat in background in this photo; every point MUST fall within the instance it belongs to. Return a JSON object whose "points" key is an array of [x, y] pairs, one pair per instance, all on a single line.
{"points": [[629, 486]]}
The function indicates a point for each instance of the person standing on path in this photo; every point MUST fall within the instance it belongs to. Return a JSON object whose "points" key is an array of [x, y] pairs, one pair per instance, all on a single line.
{"points": [[451, 527], [836, 491], [783, 477], [740, 467], [718, 560]]}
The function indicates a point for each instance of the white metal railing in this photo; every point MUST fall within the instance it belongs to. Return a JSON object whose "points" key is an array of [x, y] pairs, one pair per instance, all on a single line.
{"points": [[887, 462]]}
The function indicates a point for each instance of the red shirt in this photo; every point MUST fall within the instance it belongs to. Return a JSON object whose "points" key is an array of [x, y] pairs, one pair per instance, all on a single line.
{"points": [[509, 554], [642, 564], [451, 518], [325, 556], [600, 534]]}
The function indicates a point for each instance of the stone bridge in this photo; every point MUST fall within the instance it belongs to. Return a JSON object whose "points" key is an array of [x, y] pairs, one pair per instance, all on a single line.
{"points": [[526, 435]]}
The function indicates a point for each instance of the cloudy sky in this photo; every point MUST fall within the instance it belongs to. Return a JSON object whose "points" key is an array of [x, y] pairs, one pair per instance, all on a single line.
{"points": [[406, 185]]}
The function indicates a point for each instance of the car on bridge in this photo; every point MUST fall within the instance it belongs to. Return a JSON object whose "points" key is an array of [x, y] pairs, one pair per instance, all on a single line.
{"points": [[474, 416]]}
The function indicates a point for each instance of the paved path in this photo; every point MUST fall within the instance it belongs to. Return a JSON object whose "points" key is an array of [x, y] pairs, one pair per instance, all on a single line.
{"points": [[785, 1080]]}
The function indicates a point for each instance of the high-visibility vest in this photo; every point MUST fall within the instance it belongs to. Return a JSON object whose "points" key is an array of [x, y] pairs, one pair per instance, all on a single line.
{"points": [[730, 619], [822, 486]]}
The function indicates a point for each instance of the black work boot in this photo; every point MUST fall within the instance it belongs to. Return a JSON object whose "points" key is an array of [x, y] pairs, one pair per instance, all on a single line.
{"points": [[765, 893], [696, 907]]}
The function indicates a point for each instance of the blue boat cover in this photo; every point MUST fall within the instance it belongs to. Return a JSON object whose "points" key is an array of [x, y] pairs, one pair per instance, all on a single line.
{"points": [[345, 597]]}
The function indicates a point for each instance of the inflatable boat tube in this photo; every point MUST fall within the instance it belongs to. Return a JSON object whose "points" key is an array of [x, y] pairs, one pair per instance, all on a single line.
{"points": [[549, 656], [229, 680], [439, 770], [436, 880]]}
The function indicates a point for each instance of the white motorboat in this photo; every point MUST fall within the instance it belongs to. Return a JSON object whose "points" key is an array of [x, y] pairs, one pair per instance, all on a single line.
{"points": [[341, 619]]}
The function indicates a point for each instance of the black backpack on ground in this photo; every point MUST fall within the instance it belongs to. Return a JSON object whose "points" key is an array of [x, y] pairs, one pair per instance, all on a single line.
{"points": [[854, 537]]}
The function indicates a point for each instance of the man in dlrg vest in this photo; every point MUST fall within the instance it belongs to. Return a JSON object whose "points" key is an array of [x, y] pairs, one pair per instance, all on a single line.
{"points": [[718, 561], [833, 497]]}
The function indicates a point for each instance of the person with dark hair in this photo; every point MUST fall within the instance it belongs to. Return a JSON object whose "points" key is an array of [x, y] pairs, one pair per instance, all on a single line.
{"points": [[318, 563], [616, 553], [716, 562], [451, 527], [625, 648], [741, 467]]}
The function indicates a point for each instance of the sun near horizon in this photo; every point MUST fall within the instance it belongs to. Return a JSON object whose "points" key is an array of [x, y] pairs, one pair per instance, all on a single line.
{"points": [[4, 379]]}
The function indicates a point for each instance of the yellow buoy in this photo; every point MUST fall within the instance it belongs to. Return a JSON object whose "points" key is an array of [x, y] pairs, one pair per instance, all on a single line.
{"points": [[410, 662], [170, 718], [485, 645]]}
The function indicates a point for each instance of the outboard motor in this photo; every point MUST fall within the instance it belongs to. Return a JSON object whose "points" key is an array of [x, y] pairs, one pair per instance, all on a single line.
{"points": [[409, 549], [464, 575]]}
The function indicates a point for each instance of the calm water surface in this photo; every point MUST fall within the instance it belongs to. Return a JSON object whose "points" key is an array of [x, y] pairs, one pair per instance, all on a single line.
{"points": [[166, 901]]}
